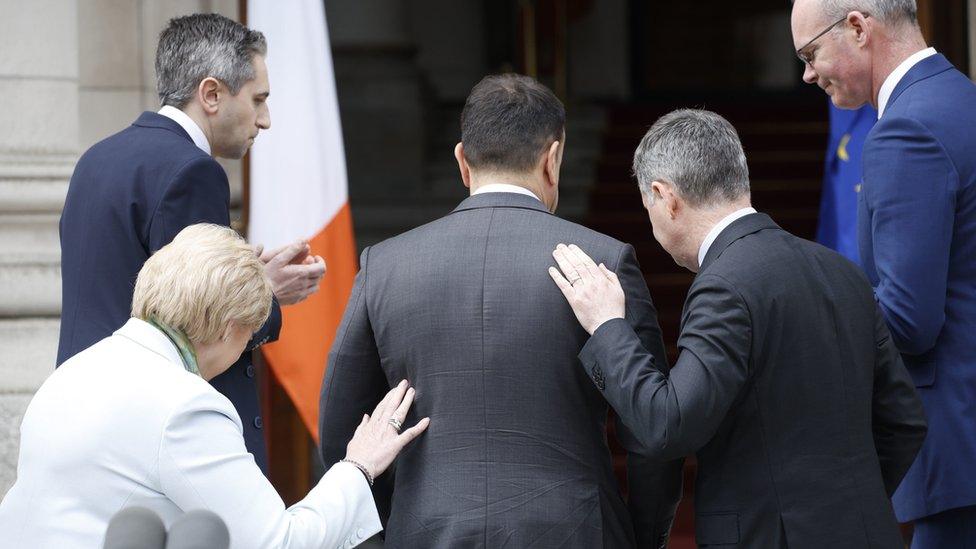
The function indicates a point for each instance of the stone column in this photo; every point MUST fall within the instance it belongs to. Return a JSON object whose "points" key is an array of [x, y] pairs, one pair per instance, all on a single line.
{"points": [[972, 39], [38, 148], [380, 97], [599, 52], [451, 45]]}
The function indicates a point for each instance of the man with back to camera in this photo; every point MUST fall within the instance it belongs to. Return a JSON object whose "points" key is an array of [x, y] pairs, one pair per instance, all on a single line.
{"points": [[787, 385], [516, 455], [131, 193], [916, 230]]}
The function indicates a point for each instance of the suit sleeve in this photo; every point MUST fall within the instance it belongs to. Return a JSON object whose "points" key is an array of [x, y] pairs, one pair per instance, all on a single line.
{"points": [[199, 193], [675, 415], [203, 464], [653, 486], [898, 420], [910, 185], [354, 384], [270, 330]]}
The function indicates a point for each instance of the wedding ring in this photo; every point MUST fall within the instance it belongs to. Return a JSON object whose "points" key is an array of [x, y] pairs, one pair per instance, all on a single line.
{"points": [[397, 426]]}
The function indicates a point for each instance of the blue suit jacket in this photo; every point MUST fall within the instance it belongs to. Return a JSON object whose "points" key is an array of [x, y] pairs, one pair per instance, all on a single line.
{"points": [[917, 238], [130, 194]]}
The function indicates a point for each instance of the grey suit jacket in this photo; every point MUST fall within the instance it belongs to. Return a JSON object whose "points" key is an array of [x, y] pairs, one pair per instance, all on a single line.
{"points": [[516, 453], [788, 387]]}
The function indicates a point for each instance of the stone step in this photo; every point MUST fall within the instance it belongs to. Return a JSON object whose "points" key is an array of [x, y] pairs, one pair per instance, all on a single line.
{"points": [[33, 346]]}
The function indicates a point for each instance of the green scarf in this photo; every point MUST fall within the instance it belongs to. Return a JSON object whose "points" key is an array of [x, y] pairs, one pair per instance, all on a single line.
{"points": [[182, 343]]}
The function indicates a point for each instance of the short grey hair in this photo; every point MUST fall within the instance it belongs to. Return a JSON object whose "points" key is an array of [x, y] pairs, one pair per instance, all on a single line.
{"points": [[203, 45], [698, 152], [889, 11]]}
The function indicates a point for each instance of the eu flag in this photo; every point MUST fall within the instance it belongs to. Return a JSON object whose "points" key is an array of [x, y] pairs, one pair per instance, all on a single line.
{"points": [[837, 226]]}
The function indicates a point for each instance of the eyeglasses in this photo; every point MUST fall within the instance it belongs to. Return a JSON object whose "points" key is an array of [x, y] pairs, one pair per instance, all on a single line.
{"points": [[808, 56]]}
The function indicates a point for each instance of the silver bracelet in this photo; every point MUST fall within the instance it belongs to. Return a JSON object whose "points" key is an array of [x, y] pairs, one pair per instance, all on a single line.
{"points": [[361, 467]]}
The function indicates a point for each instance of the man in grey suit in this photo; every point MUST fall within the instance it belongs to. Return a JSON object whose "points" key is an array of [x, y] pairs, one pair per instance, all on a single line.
{"points": [[516, 454], [787, 386]]}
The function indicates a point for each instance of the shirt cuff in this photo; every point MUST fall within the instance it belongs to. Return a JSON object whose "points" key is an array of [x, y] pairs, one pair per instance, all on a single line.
{"points": [[348, 482]]}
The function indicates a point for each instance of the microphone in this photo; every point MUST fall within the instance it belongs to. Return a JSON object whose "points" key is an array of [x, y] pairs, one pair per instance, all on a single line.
{"points": [[135, 528], [198, 529]]}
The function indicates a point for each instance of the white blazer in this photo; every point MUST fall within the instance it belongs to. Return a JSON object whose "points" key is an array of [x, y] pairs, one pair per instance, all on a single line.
{"points": [[123, 423]]}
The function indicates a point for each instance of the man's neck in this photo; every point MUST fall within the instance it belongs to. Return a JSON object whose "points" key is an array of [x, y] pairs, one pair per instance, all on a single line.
{"points": [[483, 180], [705, 221], [200, 119], [896, 54]]}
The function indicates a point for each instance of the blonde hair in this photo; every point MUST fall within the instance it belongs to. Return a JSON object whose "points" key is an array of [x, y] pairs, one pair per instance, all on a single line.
{"points": [[203, 280]]}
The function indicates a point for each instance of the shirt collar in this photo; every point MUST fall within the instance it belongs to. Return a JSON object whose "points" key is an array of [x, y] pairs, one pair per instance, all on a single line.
{"points": [[504, 188], [188, 125], [884, 94], [718, 228]]}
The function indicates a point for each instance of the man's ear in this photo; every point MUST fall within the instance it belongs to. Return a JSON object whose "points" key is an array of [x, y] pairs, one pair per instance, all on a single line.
{"points": [[665, 191], [552, 163], [862, 29], [462, 164], [208, 92]]}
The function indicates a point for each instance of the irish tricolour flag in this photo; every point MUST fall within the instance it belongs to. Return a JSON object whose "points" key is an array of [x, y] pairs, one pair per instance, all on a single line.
{"points": [[298, 189]]}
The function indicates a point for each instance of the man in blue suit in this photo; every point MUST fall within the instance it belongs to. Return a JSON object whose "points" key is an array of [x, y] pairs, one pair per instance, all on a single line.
{"points": [[133, 192], [916, 230]]}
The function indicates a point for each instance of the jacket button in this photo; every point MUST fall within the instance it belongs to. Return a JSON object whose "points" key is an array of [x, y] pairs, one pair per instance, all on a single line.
{"points": [[360, 533], [598, 378], [258, 422], [249, 372]]}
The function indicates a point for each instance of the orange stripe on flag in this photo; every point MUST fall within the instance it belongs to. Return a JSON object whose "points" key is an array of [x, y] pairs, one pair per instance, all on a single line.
{"points": [[299, 356]]}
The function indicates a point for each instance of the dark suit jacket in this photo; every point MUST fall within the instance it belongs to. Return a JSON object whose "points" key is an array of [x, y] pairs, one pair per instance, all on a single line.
{"points": [[130, 194], [516, 452], [789, 389], [917, 239]]}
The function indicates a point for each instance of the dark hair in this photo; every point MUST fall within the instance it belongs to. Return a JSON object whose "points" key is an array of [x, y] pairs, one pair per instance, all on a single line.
{"points": [[508, 121], [203, 45]]}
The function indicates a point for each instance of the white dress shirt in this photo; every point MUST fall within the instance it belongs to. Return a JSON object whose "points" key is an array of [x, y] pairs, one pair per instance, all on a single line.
{"points": [[123, 423], [718, 228], [504, 188], [187, 123], [884, 94]]}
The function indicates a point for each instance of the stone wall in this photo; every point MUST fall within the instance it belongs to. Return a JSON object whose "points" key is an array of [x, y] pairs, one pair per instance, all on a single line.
{"points": [[71, 73], [972, 39]]}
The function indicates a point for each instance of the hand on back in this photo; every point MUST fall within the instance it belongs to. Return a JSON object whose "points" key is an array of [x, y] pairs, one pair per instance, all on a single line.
{"points": [[592, 290], [377, 441]]}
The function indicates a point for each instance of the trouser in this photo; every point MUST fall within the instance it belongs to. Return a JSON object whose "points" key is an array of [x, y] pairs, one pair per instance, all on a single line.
{"points": [[952, 529]]}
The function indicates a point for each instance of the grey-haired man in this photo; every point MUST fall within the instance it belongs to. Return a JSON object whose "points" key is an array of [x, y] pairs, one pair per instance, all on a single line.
{"points": [[131, 193], [915, 228], [787, 387]]}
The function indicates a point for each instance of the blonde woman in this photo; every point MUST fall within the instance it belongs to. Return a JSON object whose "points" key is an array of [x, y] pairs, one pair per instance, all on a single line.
{"points": [[132, 420]]}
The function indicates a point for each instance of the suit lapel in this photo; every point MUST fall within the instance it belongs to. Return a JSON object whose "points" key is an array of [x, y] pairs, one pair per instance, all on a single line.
{"points": [[739, 228]]}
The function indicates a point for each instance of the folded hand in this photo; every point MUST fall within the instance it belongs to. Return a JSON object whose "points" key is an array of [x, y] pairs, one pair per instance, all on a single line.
{"points": [[293, 271]]}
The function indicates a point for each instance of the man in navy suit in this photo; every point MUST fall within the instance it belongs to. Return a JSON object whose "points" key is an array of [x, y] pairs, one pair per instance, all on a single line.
{"points": [[133, 192], [916, 230]]}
